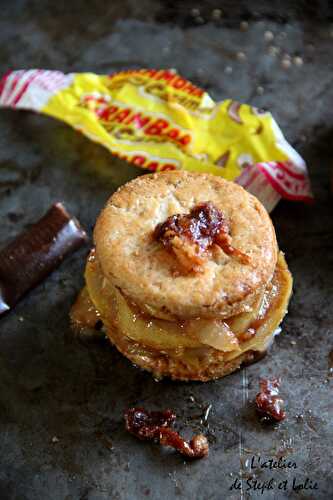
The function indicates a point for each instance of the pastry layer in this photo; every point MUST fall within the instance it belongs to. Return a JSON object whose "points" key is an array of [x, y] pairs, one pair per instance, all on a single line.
{"points": [[144, 271], [192, 350]]}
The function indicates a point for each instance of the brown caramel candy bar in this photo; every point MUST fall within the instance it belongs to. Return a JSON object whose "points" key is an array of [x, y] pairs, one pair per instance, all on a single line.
{"points": [[35, 253]]}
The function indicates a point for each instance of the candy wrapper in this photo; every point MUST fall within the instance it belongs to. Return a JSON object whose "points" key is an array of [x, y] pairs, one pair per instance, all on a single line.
{"points": [[158, 120]]}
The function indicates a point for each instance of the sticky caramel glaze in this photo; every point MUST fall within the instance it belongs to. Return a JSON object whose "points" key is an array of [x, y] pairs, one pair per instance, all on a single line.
{"points": [[83, 312], [153, 332], [204, 363]]}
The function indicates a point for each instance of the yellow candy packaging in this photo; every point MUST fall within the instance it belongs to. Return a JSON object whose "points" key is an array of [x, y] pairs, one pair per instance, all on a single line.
{"points": [[159, 121]]}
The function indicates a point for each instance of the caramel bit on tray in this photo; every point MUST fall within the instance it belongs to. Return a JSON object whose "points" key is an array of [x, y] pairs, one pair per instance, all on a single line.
{"points": [[155, 426], [189, 237], [269, 403]]}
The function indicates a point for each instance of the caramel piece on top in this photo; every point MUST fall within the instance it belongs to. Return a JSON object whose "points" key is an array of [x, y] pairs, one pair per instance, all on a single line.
{"points": [[190, 237]]}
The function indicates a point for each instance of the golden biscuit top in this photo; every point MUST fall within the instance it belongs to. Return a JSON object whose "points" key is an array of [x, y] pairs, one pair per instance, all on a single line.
{"points": [[171, 275]]}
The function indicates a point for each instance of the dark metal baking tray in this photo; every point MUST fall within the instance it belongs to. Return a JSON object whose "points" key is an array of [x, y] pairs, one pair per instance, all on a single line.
{"points": [[61, 402]]}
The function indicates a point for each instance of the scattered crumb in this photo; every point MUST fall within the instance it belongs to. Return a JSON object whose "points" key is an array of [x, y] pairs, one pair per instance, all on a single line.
{"points": [[228, 70], [293, 342], [241, 56], [217, 14], [195, 12], [260, 90], [268, 36], [286, 63], [298, 61], [244, 26], [20, 318], [55, 439], [206, 413]]}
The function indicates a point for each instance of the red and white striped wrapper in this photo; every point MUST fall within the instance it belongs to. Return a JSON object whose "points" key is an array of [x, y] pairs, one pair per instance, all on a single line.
{"points": [[269, 180]]}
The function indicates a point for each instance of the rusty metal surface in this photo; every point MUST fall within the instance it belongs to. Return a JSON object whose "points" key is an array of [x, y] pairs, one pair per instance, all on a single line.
{"points": [[61, 402]]}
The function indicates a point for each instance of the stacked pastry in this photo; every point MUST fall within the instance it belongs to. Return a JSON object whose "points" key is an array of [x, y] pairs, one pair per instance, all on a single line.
{"points": [[186, 275]]}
